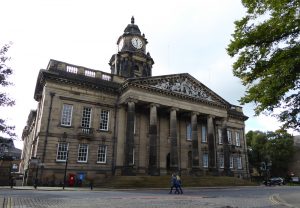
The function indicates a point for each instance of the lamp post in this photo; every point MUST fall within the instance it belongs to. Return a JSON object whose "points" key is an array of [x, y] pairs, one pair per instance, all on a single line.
{"points": [[66, 165]]}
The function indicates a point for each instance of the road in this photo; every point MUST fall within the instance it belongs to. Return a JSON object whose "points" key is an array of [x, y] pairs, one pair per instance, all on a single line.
{"points": [[229, 197]]}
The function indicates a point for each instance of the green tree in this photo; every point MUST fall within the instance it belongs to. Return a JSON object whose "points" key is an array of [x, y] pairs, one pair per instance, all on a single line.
{"points": [[256, 143], [280, 148], [266, 43], [5, 72], [270, 146]]}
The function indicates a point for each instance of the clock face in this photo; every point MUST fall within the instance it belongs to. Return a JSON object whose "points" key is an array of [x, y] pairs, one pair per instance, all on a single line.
{"points": [[121, 43], [137, 43]]}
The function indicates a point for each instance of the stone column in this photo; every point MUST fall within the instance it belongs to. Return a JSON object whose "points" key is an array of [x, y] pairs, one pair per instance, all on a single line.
{"points": [[226, 148], [129, 142], [173, 138], [195, 151], [153, 157], [211, 143]]}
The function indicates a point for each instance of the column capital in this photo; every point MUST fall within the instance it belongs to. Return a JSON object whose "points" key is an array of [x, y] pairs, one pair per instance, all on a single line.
{"points": [[154, 105], [211, 116], [130, 100], [195, 113], [174, 109]]}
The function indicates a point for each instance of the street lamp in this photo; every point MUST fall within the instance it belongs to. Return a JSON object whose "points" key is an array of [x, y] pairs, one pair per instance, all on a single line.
{"points": [[66, 165]]}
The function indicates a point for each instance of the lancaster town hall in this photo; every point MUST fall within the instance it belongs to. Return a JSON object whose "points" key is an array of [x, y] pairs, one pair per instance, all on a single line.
{"points": [[89, 124]]}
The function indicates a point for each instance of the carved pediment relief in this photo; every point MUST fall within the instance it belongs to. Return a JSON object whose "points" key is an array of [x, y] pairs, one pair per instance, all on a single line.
{"points": [[184, 86], [179, 85]]}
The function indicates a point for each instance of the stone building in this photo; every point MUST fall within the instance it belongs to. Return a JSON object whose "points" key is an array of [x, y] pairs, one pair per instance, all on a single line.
{"points": [[129, 122]]}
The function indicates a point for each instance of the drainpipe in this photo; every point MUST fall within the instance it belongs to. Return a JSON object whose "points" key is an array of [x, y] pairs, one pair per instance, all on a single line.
{"points": [[47, 131]]}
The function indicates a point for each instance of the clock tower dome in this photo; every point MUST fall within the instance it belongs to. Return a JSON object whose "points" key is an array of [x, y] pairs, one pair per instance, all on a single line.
{"points": [[132, 60]]}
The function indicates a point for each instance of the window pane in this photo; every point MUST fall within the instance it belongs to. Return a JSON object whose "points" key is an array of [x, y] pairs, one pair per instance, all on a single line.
{"points": [[102, 154], [237, 139], [86, 117], [104, 118], [82, 153], [221, 161], [231, 162], [189, 131], [203, 134], [205, 160], [239, 162], [66, 115], [62, 149], [229, 136], [220, 136]]}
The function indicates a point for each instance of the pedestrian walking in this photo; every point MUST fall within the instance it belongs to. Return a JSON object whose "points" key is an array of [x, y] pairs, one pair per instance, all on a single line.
{"points": [[178, 185], [173, 184], [35, 183]]}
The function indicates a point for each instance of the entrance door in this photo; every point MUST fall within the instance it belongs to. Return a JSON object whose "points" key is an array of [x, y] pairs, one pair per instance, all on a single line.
{"points": [[168, 162]]}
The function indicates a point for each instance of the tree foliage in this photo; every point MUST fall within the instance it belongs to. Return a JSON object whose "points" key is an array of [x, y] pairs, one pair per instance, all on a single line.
{"points": [[266, 42], [270, 146], [5, 72]]}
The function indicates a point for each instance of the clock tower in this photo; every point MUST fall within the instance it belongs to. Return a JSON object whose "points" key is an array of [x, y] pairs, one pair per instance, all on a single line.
{"points": [[132, 60]]}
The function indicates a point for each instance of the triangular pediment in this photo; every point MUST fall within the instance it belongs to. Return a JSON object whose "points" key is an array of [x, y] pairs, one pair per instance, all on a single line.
{"points": [[180, 85]]}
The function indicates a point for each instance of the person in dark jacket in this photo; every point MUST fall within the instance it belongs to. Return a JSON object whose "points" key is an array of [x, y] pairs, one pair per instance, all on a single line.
{"points": [[178, 185], [173, 184]]}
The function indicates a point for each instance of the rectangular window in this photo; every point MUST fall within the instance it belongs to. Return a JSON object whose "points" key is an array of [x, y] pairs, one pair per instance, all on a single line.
{"points": [[72, 69], [106, 77], [205, 160], [102, 154], [203, 134], [82, 153], [220, 138], [229, 137], [239, 162], [231, 162], [86, 117], [189, 131], [62, 151], [66, 115], [221, 161], [237, 139], [89, 73], [104, 118]]}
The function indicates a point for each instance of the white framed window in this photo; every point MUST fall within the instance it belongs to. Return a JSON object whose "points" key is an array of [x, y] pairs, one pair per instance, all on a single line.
{"points": [[221, 161], [188, 131], [104, 120], [229, 137], [62, 151], [89, 73], [239, 162], [72, 69], [237, 139], [101, 156], [205, 160], [203, 134], [231, 162], [86, 117], [66, 115], [220, 138], [106, 77], [82, 152]]}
